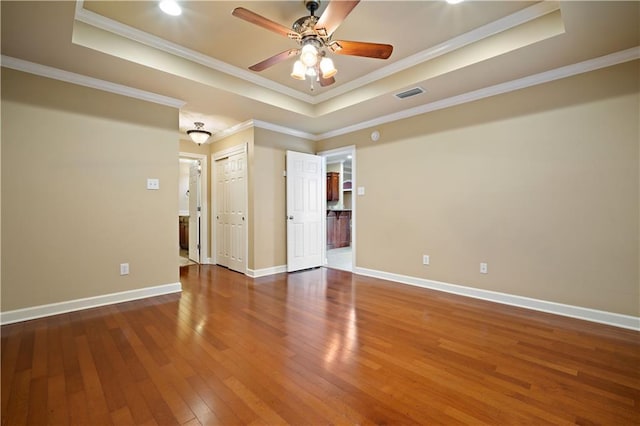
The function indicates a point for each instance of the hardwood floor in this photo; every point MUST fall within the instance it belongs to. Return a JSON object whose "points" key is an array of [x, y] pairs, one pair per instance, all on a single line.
{"points": [[316, 347]]}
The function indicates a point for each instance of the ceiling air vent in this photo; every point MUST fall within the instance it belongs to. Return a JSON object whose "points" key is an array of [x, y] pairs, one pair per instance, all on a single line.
{"points": [[409, 93]]}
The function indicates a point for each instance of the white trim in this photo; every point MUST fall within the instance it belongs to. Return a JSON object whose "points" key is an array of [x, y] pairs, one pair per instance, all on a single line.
{"points": [[83, 80], [506, 87], [9, 317], [232, 130], [498, 89], [593, 315], [281, 129], [236, 149], [521, 83], [262, 125], [257, 273], [204, 212], [503, 24], [122, 30]]}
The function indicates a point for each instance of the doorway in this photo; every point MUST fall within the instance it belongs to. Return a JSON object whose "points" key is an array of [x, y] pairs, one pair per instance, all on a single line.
{"points": [[340, 166], [192, 209]]}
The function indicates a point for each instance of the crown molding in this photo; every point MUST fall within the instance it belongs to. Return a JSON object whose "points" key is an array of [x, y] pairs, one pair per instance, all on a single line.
{"points": [[83, 80], [262, 125], [115, 27], [511, 21], [521, 83], [509, 86], [285, 130], [475, 35]]}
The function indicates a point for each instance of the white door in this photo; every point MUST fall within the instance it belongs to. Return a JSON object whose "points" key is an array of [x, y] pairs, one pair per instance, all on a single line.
{"points": [[231, 215], [195, 211], [304, 211]]}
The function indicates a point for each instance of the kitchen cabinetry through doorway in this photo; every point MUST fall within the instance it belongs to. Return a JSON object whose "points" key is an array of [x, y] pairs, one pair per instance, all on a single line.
{"points": [[340, 204]]}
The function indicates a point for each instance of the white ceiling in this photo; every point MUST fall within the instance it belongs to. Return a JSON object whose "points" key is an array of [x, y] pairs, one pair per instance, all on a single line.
{"points": [[455, 52]]}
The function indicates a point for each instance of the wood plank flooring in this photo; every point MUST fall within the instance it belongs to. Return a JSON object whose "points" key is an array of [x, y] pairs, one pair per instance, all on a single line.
{"points": [[311, 348]]}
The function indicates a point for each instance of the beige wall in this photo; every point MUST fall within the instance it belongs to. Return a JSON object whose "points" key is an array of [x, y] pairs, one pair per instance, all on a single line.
{"points": [[269, 195], [542, 184], [74, 201]]}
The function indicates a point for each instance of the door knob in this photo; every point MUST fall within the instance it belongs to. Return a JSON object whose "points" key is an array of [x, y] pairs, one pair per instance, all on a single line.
{"points": [[290, 217]]}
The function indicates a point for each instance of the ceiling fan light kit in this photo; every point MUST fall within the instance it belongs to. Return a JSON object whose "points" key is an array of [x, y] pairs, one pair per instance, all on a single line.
{"points": [[313, 34]]}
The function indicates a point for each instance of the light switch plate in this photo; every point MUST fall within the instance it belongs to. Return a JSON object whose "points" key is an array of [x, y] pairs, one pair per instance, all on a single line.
{"points": [[361, 190]]}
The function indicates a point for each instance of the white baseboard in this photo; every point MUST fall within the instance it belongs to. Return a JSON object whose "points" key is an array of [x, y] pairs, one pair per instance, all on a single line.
{"points": [[34, 312], [594, 315], [266, 271]]}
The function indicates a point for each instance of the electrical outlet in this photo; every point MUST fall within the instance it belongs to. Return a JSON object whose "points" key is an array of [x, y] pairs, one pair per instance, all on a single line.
{"points": [[153, 183], [124, 269], [425, 259], [484, 268]]}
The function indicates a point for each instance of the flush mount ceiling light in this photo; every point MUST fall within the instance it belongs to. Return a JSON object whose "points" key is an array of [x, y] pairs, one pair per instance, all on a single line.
{"points": [[314, 34], [199, 135], [170, 7]]}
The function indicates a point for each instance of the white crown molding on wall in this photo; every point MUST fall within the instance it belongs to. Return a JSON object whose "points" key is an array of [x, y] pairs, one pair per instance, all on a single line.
{"points": [[83, 80], [9, 317], [612, 59], [509, 86], [262, 125], [593, 315]]}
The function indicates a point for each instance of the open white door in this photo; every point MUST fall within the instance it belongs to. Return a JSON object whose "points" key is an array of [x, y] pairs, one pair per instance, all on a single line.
{"points": [[304, 211], [194, 211]]}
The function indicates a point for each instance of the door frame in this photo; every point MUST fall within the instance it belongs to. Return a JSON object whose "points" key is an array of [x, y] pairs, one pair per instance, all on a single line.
{"points": [[221, 155], [204, 203], [345, 150]]}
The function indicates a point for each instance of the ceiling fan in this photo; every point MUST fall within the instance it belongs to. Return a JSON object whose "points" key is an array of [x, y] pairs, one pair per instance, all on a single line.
{"points": [[313, 34]]}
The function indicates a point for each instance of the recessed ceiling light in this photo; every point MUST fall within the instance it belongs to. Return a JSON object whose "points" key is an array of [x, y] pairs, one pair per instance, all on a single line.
{"points": [[454, 1], [170, 7]]}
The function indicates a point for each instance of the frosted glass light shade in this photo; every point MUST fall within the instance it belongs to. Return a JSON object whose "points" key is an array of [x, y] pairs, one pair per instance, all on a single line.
{"points": [[309, 55], [299, 71], [327, 68], [199, 135]]}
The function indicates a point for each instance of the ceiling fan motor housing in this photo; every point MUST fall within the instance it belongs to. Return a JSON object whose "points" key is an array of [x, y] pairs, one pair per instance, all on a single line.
{"points": [[312, 5]]}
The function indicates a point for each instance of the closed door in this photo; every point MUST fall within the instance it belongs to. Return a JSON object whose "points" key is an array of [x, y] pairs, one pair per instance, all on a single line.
{"points": [[195, 211], [231, 219], [305, 237]]}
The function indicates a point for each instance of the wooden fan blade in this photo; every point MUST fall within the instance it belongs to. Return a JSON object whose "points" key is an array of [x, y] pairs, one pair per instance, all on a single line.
{"points": [[326, 81], [254, 18], [275, 59], [361, 48], [334, 14]]}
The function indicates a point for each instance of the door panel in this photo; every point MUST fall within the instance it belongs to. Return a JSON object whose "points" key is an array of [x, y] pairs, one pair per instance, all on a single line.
{"points": [[304, 211], [231, 212]]}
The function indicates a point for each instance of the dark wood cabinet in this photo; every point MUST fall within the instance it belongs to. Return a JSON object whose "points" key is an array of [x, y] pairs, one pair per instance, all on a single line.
{"points": [[338, 228], [333, 186], [183, 225]]}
